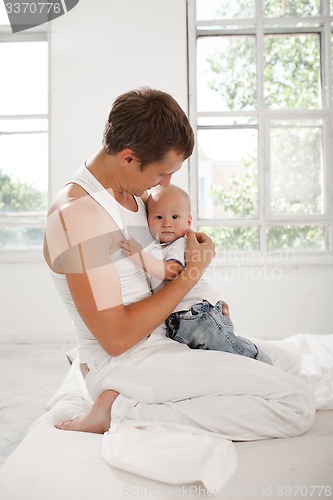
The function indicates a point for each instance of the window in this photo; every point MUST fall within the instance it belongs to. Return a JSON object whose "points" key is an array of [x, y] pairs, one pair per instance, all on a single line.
{"points": [[23, 136], [261, 105]]}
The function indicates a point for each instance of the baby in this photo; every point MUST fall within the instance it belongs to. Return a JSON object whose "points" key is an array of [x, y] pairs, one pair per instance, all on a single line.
{"points": [[198, 320]]}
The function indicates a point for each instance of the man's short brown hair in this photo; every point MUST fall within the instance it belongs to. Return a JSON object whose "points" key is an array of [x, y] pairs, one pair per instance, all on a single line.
{"points": [[151, 123]]}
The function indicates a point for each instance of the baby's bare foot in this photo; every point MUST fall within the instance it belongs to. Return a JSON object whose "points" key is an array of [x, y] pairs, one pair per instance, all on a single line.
{"points": [[97, 420]]}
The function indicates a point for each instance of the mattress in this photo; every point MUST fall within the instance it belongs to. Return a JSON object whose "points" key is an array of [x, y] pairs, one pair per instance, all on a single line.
{"points": [[50, 464]]}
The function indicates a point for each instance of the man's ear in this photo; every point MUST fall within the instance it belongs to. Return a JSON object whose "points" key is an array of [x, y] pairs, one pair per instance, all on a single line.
{"points": [[127, 156]]}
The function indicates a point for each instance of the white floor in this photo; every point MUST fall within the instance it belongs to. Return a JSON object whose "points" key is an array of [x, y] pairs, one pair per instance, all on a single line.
{"points": [[29, 376]]}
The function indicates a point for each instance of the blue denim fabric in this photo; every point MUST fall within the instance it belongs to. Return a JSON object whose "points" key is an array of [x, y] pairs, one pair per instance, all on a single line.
{"points": [[205, 327]]}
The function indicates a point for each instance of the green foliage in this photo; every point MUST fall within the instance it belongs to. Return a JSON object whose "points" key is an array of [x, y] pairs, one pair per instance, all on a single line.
{"points": [[240, 200], [233, 238], [241, 197], [296, 171], [274, 8], [295, 238], [18, 196], [232, 8], [233, 73], [292, 72], [291, 63]]}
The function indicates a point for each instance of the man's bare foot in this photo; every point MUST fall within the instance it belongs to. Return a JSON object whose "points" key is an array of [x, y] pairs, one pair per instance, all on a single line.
{"points": [[97, 420]]}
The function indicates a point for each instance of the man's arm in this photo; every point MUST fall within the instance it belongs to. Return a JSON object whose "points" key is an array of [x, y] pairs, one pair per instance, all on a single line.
{"points": [[163, 270], [79, 237]]}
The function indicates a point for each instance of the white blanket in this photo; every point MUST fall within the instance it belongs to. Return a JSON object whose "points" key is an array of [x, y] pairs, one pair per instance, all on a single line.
{"points": [[176, 455], [170, 454], [316, 357]]}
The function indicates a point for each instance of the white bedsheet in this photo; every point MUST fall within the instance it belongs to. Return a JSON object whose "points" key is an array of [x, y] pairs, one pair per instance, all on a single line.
{"points": [[60, 465], [316, 358]]}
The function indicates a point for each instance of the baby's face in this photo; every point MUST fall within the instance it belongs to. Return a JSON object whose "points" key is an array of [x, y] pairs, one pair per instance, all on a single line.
{"points": [[168, 217]]}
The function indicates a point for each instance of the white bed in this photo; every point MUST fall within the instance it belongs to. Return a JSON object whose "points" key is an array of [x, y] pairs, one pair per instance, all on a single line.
{"points": [[51, 464]]}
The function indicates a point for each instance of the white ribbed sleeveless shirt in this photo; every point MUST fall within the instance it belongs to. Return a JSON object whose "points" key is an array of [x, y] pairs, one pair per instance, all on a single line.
{"points": [[134, 283]]}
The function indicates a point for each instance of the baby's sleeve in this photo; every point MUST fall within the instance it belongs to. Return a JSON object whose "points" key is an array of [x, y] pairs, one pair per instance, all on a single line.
{"points": [[176, 251]]}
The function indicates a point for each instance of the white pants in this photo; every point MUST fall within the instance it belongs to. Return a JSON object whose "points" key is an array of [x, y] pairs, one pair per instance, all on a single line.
{"points": [[237, 397]]}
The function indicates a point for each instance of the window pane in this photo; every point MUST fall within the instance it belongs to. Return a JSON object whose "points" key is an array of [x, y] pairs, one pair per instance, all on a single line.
{"points": [[295, 238], [292, 72], [296, 170], [233, 238], [227, 173], [21, 237], [23, 172], [226, 73], [23, 85], [219, 9], [272, 8], [16, 125]]}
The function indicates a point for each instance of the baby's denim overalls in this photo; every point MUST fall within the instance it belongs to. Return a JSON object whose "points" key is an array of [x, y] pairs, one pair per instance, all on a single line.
{"points": [[205, 327]]}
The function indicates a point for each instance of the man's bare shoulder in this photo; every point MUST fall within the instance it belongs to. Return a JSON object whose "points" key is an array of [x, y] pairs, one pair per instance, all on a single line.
{"points": [[67, 196], [79, 211], [75, 220]]}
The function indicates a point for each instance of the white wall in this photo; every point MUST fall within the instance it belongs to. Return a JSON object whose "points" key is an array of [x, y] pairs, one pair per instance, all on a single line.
{"points": [[276, 301], [99, 50]]}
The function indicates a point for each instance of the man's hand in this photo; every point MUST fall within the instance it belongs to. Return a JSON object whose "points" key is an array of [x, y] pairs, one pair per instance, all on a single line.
{"points": [[200, 251]]}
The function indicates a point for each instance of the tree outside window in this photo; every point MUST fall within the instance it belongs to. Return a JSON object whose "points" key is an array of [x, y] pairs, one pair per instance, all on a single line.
{"points": [[263, 116], [23, 137]]}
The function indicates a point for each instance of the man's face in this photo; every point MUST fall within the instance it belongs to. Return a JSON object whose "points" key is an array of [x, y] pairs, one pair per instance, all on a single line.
{"points": [[155, 174]]}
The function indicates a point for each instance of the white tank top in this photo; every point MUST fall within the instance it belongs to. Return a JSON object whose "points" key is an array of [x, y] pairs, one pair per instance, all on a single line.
{"points": [[134, 283]]}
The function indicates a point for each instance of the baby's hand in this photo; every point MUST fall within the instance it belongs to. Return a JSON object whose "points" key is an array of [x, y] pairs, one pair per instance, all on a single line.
{"points": [[225, 309], [130, 247]]}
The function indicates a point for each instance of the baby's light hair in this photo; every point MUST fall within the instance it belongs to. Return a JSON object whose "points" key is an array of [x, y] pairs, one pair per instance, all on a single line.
{"points": [[157, 192]]}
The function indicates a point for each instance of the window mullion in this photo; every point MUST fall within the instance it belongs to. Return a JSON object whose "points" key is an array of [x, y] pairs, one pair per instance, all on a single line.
{"points": [[327, 83], [262, 160], [191, 64], [326, 74]]}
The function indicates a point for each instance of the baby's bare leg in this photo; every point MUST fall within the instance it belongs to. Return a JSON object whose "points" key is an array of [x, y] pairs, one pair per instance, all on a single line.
{"points": [[97, 420]]}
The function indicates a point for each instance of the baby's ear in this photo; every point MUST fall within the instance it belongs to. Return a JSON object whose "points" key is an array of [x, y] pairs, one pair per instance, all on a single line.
{"points": [[189, 222]]}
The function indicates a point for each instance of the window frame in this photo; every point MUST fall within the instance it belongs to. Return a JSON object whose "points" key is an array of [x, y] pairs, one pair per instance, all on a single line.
{"points": [[264, 116], [26, 219]]}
